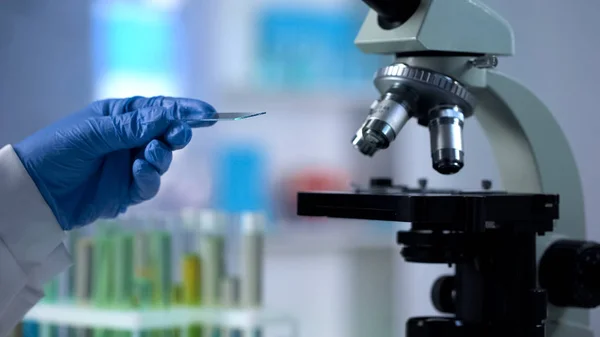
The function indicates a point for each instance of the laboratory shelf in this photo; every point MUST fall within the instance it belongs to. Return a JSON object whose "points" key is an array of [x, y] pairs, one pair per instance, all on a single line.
{"points": [[139, 320]]}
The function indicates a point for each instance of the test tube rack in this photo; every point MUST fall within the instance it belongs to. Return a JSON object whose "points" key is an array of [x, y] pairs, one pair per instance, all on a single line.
{"points": [[124, 284]]}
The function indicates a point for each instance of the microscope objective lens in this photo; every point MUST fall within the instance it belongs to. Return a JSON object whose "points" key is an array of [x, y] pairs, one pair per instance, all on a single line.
{"points": [[385, 120], [445, 131]]}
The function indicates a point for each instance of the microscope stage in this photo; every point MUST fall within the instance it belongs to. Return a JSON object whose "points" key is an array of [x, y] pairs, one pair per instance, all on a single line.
{"points": [[458, 208]]}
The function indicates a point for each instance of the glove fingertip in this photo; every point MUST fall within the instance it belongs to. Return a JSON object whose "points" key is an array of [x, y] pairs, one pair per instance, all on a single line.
{"points": [[158, 155], [146, 181], [194, 113], [179, 136], [197, 107], [141, 169]]}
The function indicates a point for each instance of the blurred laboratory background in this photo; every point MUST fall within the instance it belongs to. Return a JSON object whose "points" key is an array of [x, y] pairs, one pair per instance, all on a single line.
{"points": [[222, 233]]}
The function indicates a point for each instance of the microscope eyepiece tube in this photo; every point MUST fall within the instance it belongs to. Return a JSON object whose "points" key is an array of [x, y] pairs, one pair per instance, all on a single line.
{"points": [[446, 134], [387, 117], [393, 13]]}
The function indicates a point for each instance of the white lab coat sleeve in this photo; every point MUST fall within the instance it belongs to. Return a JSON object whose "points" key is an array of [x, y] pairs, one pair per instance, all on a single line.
{"points": [[31, 242]]}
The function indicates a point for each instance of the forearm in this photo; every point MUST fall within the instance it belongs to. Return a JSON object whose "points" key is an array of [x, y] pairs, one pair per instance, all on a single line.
{"points": [[31, 242]]}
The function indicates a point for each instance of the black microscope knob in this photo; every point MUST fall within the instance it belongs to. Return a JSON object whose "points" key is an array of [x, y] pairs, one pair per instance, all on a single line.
{"points": [[433, 327], [570, 272], [443, 294], [422, 184], [381, 182]]}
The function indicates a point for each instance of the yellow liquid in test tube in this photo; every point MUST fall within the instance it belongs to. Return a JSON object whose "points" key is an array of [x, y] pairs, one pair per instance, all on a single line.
{"points": [[191, 287], [191, 269]]}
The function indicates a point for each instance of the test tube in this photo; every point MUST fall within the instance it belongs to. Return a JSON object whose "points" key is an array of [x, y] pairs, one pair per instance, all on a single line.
{"points": [[190, 267], [190, 219], [230, 296], [177, 294], [72, 239], [161, 262], [178, 249], [191, 287], [212, 252], [212, 249], [230, 289], [143, 271], [252, 241], [84, 265], [103, 273], [51, 290], [124, 247]]}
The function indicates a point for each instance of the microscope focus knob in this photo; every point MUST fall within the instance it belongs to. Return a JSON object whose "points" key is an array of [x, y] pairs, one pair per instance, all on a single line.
{"points": [[443, 294], [570, 272], [434, 327]]}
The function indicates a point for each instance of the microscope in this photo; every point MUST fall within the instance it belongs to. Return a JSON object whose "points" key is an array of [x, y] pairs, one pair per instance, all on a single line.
{"points": [[522, 267]]}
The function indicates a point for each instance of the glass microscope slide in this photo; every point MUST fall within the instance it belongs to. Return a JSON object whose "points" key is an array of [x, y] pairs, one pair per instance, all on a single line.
{"points": [[235, 116], [223, 116]]}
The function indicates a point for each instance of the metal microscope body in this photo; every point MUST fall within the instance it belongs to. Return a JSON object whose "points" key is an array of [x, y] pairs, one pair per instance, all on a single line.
{"points": [[448, 47]]}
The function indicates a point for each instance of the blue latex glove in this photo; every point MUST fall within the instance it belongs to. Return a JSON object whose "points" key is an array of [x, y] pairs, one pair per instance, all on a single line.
{"points": [[109, 156]]}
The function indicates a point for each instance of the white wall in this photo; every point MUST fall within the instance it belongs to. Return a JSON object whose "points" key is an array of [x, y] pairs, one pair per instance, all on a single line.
{"points": [[45, 63], [557, 50]]}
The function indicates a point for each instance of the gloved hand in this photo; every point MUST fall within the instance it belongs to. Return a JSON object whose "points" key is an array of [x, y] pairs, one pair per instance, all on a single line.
{"points": [[109, 156]]}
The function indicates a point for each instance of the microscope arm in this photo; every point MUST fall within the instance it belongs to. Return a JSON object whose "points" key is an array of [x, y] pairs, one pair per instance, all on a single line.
{"points": [[533, 155]]}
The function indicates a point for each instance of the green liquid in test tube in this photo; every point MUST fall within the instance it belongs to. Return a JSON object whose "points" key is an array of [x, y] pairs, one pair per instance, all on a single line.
{"points": [[84, 277], [51, 291], [143, 271], [161, 262], [143, 285], [103, 259], [102, 273], [124, 247]]}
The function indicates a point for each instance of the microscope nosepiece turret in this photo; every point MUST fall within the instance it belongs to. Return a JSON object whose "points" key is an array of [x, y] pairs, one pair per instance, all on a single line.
{"points": [[434, 99]]}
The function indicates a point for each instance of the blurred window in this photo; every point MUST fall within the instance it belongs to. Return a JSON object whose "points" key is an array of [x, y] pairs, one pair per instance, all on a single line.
{"points": [[135, 48]]}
